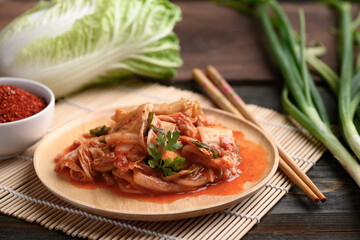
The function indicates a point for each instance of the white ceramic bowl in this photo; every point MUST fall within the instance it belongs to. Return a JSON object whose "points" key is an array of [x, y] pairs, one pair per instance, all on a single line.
{"points": [[17, 136]]}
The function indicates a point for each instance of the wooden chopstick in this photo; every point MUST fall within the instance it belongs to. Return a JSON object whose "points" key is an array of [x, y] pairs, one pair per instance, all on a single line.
{"points": [[285, 164], [235, 99]]}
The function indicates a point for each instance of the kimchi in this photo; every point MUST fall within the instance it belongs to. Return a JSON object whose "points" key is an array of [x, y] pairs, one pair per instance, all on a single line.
{"points": [[165, 148]]}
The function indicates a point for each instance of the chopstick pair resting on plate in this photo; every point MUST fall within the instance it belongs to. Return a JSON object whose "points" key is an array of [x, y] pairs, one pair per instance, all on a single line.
{"points": [[227, 99]]}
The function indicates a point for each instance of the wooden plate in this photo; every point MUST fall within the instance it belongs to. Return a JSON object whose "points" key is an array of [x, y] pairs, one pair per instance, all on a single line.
{"points": [[105, 202]]}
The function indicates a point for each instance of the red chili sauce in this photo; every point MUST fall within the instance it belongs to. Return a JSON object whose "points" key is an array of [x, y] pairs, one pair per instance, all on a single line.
{"points": [[253, 166]]}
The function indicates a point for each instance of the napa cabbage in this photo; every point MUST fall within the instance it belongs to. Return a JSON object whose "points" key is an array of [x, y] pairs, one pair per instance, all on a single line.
{"points": [[69, 44]]}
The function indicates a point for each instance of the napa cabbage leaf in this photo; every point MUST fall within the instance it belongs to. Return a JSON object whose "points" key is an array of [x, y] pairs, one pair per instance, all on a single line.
{"points": [[69, 44]]}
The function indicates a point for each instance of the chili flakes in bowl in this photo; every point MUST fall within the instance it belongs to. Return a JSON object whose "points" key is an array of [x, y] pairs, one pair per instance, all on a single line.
{"points": [[16, 104]]}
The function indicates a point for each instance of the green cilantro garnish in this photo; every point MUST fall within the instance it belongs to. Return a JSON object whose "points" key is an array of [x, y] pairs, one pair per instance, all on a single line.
{"points": [[203, 145], [157, 151]]}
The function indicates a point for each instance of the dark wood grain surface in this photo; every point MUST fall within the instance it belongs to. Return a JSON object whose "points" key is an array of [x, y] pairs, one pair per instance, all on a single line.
{"points": [[234, 43]]}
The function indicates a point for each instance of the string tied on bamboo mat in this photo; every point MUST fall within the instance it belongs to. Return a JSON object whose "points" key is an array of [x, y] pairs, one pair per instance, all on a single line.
{"points": [[304, 159], [88, 215], [241, 215], [25, 158], [278, 187], [303, 130]]}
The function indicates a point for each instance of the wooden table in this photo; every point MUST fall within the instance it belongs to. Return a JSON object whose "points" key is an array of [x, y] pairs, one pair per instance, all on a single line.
{"points": [[212, 34]]}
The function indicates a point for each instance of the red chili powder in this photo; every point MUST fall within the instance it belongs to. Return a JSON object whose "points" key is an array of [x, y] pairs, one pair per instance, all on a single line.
{"points": [[16, 104]]}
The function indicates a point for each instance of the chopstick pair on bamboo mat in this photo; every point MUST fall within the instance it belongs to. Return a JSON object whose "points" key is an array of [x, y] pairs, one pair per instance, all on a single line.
{"points": [[231, 102], [23, 196]]}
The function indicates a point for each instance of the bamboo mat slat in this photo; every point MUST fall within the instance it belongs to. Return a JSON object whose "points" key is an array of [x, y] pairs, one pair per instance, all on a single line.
{"points": [[23, 196]]}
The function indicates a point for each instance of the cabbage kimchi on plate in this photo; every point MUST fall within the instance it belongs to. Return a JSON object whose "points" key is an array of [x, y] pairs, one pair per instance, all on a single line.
{"points": [[165, 148]]}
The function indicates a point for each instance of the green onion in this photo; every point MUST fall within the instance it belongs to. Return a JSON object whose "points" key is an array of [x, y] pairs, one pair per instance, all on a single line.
{"points": [[346, 88], [310, 112], [205, 146], [156, 129], [149, 120], [345, 112], [99, 131], [300, 97], [331, 78]]}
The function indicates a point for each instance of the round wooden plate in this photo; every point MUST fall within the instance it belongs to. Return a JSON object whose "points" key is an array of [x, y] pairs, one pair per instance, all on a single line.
{"points": [[105, 202]]}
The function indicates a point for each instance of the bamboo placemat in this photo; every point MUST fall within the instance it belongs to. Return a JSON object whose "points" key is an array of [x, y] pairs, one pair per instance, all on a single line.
{"points": [[22, 195]]}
